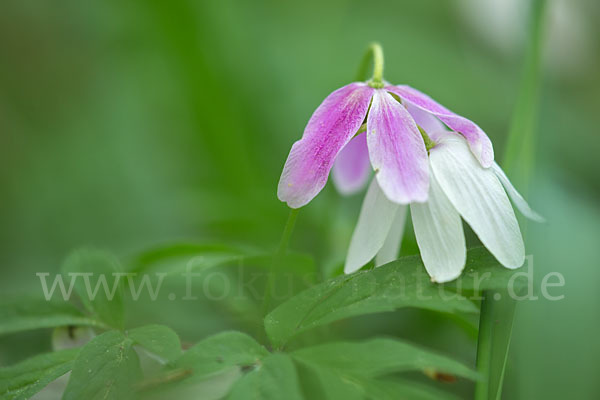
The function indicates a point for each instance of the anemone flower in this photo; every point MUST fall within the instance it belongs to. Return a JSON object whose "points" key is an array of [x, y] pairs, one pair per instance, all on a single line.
{"points": [[460, 186], [392, 144]]}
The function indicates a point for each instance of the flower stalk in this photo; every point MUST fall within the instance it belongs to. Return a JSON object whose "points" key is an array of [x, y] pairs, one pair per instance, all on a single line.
{"points": [[375, 53], [278, 257]]}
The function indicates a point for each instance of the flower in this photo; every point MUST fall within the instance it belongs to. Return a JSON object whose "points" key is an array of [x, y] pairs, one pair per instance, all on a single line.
{"points": [[460, 186], [392, 144]]}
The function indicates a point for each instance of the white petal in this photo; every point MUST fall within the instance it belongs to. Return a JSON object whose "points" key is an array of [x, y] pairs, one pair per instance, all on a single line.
{"points": [[391, 246], [515, 196], [440, 236], [478, 196], [374, 222]]}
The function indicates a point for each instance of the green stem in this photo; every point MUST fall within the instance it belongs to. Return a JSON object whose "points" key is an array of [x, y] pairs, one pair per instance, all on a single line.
{"points": [[287, 231], [278, 256], [497, 309], [375, 53], [519, 153], [484, 346]]}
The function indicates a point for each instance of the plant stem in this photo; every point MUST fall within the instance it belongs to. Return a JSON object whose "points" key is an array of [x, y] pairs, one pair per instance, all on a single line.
{"points": [[287, 231], [519, 153], [484, 345], [374, 52], [278, 256]]}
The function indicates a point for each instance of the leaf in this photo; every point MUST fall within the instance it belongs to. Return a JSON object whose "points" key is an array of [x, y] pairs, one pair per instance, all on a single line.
{"points": [[275, 378], [353, 370], [387, 389], [215, 387], [106, 368], [321, 383], [221, 352], [379, 357], [23, 380], [99, 282], [484, 272], [402, 283], [175, 257], [157, 339], [28, 314]]}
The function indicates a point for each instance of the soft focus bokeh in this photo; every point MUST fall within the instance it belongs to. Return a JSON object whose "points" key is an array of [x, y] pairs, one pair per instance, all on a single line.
{"points": [[128, 124]]}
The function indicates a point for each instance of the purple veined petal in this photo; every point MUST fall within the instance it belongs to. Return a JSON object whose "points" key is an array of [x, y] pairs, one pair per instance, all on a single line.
{"points": [[396, 150], [329, 129], [351, 167], [478, 196], [374, 223], [439, 234], [480, 144]]}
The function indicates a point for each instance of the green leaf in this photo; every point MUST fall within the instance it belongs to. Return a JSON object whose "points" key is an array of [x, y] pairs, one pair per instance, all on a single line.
{"points": [[379, 357], [402, 283], [106, 368], [23, 380], [352, 370], [175, 386], [275, 378], [321, 383], [99, 282], [221, 352], [483, 272], [175, 257], [28, 314], [387, 389], [157, 339]]}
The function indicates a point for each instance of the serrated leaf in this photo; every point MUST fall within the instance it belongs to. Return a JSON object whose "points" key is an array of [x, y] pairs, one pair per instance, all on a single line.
{"points": [[106, 368], [99, 283], [395, 285], [379, 357], [275, 378], [221, 352], [23, 380], [28, 314], [157, 339]]}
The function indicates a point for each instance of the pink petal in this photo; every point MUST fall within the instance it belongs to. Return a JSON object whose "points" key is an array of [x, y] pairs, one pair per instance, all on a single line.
{"points": [[351, 168], [396, 150], [330, 128], [480, 144], [424, 119]]}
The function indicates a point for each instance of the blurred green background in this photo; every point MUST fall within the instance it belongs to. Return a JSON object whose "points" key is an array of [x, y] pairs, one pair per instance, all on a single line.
{"points": [[127, 124]]}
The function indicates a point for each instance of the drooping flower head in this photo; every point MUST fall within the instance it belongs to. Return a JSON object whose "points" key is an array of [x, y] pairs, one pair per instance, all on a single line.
{"points": [[443, 174], [392, 144]]}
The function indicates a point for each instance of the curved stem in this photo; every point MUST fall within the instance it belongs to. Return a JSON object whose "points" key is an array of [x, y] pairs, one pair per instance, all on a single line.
{"points": [[377, 51], [374, 52]]}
